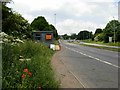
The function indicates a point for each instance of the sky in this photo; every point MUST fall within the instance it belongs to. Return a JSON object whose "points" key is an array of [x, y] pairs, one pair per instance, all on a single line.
{"points": [[69, 16]]}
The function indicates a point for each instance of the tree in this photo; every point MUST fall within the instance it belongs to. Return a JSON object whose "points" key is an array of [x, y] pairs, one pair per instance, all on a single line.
{"points": [[52, 28], [112, 27], [82, 35], [6, 11], [99, 37], [73, 36], [98, 31], [16, 26], [40, 24], [65, 36]]}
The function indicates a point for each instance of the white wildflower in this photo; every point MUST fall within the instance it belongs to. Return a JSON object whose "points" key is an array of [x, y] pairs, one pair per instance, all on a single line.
{"points": [[18, 40], [28, 59], [2, 34], [22, 59], [1, 42]]}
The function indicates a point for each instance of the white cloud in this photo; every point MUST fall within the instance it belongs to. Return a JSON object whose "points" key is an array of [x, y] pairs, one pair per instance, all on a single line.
{"points": [[72, 26], [71, 15]]}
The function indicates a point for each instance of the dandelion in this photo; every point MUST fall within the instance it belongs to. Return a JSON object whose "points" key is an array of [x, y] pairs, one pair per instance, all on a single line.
{"points": [[25, 70], [23, 76]]}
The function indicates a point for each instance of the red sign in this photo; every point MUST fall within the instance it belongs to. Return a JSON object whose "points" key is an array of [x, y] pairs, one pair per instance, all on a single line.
{"points": [[48, 37]]}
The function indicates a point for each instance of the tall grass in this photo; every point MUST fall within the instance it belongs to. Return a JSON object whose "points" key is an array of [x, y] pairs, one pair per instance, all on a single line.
{"points": [[39, 65]]}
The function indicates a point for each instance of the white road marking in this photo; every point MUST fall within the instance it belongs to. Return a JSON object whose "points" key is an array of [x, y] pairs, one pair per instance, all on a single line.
{"points": [[94, 58]]}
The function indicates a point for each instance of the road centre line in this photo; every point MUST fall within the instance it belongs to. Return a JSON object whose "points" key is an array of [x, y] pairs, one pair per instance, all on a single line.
{"points": [[93, 58]]}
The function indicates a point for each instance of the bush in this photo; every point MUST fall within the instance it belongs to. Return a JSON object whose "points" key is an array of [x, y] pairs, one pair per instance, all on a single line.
{"points": [[106, 39], [99, 37], [27, 65]]}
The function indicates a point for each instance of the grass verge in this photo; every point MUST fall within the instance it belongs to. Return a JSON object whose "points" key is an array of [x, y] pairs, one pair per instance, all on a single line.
{"points": [[102, 43], [27, 65], [102, 47]]}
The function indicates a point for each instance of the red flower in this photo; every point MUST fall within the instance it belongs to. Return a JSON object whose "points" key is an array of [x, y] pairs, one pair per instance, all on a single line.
{"points": [[23, 76], [25, 70], [30, 74]]}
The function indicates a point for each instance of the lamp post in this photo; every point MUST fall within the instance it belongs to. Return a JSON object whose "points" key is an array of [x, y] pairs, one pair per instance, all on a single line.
{"points": [[55, 19], [55, 24]]}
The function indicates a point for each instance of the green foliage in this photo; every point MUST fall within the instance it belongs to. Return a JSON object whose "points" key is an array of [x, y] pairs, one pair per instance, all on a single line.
{"points": [[73, 36], [39, 65], [52, 28], [99, 37], [82, 35], [41, 24], [17, 26], [65, 36], [14, 24], [6, 11], [112, 26], [98, 31]]}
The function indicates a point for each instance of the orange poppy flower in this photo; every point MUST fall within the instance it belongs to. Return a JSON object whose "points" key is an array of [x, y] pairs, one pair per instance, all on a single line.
{"points": [[25, 70], [23, 76], [30, 74]]}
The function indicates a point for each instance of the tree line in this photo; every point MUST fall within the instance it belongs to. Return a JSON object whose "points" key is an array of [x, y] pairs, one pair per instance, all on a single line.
{"points": [[16, 25], [112, 29]]}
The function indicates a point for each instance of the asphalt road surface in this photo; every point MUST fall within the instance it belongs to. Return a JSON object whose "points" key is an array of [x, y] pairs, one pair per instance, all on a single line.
{"points": [[93, 68]]}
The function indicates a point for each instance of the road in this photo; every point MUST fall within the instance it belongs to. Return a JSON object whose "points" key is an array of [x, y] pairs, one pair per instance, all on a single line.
{"points": [[92, 67]]}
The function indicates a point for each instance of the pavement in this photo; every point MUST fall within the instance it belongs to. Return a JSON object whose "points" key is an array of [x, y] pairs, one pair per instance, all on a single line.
{"points": [[92, 67]]}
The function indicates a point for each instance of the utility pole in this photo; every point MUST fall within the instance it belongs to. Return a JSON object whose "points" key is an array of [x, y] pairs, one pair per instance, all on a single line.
{"points": [[114, 30], [55, 19], [55, 23], [89, 34]]}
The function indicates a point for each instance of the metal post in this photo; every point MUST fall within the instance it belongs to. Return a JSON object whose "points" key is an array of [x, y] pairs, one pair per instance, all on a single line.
{"points": [[55, 19], [55, 23], [89, 34], [114, 30]]}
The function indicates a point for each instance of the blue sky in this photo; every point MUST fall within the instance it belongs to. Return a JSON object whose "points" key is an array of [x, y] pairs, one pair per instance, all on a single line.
{"points": [[72, 16]]}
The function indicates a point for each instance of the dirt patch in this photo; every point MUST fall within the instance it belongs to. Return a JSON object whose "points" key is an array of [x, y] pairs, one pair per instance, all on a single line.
{"points": [[67, 80]]}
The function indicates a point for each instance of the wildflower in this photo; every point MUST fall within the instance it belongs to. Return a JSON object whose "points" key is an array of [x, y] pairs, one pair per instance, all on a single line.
{"points": [[30, 74], [25, 70], [23, 76], [22, 59], [20, 56], [28, 59]]}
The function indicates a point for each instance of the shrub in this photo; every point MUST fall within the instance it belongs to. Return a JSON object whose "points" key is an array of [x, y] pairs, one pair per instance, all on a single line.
{"points": [[27, 65], [99, 37]]}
